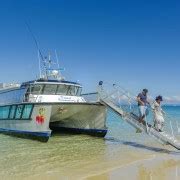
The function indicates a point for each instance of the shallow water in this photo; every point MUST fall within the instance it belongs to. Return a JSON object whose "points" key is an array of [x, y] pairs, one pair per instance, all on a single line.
{"points": [[80, 156]]}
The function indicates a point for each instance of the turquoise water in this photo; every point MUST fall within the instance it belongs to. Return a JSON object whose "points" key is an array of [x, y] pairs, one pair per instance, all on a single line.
{"points": [[121, 130], [76, 156]]}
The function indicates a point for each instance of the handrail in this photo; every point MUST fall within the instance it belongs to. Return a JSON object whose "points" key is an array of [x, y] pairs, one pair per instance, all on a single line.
{"points": [[130, 100], [109, 99]]}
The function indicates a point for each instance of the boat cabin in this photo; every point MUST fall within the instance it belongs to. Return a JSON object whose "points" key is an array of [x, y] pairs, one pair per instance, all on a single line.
{"points": [[43, 91], [52, 91]]}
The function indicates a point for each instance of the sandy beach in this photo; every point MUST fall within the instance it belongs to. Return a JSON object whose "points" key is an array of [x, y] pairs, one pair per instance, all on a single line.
{"points": [[122, 154], [155, 168], [149, 165]]}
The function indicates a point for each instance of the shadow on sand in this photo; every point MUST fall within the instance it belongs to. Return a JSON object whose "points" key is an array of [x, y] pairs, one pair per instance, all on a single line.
{"points": [[142, 146]]}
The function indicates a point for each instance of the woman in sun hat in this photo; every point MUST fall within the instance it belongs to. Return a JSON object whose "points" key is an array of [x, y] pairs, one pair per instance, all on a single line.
{"points": [[158, 114]]}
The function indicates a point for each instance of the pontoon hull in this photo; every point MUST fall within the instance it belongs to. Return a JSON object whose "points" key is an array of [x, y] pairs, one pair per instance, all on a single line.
{"points": [[83, 118], [88, 118], [29, 128]]}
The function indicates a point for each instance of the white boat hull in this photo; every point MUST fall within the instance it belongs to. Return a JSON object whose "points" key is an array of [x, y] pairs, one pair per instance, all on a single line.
{"points": [[87, 118], [79, 117]]}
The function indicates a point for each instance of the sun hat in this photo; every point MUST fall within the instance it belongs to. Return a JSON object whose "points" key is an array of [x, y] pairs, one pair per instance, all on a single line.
{"points": [[159, 98]]}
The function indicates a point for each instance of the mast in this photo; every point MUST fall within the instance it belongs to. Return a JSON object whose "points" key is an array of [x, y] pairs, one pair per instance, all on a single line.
{"points": [[52, 69], [57, 59], [40, 56], [40, 74], [46, 69]]}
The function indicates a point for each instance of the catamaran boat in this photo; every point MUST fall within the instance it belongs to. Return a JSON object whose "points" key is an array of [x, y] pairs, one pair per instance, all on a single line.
{"points": [[50, 103]]}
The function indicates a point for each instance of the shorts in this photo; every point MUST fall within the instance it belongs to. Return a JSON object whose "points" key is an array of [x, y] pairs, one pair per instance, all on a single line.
{"points": [[143, 111]]}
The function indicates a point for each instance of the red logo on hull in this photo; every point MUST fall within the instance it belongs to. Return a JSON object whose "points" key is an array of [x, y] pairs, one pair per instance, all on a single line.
{"points": [[40, 118]]}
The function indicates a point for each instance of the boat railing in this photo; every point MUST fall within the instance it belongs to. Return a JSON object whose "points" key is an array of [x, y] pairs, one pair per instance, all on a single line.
{"points": [[91, 97], [29, 98], [124, 103], [126, 100]]}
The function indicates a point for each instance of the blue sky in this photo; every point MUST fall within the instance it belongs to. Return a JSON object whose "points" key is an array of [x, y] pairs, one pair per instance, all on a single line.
{"points": [[133, 43]]}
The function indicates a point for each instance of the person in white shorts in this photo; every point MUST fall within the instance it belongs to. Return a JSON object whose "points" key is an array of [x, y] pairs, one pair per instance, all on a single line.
{"points": [[142, 104], [158, 114]]}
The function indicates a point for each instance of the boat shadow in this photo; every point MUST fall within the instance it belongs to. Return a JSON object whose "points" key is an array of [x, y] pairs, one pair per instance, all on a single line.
{"points": [[143, 146]]}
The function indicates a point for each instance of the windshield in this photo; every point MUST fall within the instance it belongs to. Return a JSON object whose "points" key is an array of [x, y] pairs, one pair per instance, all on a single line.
{"points": [[62, 89], [49, 89], [55, 89], [35, 89]]}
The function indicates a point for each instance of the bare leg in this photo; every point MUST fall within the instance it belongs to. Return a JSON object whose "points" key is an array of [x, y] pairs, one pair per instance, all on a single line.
{"points": [[141, 119]]}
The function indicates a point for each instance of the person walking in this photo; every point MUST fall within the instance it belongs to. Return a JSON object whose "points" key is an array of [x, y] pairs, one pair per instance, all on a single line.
{"points": [[142, 104], [158, 114]]}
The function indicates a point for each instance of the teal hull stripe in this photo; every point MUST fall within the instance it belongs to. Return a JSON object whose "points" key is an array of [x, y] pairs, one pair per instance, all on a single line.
{"points": [[39, 134]]}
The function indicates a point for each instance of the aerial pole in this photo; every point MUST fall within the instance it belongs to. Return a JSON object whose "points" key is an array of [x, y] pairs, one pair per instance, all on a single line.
{"points": [[57, 59], [40, 74], [40, 56]]}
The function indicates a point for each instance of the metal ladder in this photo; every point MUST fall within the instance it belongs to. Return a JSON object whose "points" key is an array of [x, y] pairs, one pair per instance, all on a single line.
{"points": [[108, 99]]}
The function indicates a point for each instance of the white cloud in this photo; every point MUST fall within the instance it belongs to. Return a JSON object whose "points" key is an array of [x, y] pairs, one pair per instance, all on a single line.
{"points": [[172, 99]]}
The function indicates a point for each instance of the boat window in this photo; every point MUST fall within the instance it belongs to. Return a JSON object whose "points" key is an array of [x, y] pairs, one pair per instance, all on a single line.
{"points": [[71, 91], [27, 111], [35, 89], [4, 112], [62, 89], [74, 91], [79, 91], [50, 89], [12, 112], [19, 111], [16, 111]]}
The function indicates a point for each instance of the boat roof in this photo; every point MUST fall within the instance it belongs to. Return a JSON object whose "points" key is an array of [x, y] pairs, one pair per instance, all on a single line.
{"points": [[45, 81], [8, 86]]}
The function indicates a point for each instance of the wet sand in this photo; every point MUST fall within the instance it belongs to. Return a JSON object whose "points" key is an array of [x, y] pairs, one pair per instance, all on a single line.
{"points": [[84, 157], [135, 165], [153, 168]]}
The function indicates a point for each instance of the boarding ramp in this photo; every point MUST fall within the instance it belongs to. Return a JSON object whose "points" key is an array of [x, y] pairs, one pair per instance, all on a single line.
{"points": [[123, 103]]}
